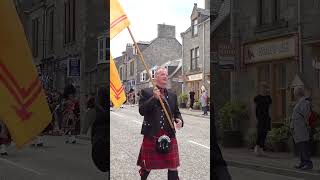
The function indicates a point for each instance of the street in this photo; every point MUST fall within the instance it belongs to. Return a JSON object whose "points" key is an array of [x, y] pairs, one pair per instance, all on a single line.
{"points": [[243, 174], [55, 161], [125, 140]]}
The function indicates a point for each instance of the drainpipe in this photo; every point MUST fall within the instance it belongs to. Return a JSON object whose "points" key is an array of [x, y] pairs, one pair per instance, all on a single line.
{"points": [[299, 34], [203, 53], [182, 69], [232, 77]]}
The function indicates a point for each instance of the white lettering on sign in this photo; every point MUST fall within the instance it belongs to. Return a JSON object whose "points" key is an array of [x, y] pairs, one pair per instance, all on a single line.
{"points": [[270, 50], [195, 77]]}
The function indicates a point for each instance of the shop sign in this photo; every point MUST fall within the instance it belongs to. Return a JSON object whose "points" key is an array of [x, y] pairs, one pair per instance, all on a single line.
{"points": [[74, 67], [316, 62], [195, 77], [270, 50]]}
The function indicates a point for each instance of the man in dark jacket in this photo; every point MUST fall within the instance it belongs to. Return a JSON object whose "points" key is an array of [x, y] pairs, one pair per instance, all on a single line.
{"points": [[220, 171], [99, 131], [156, 125]]}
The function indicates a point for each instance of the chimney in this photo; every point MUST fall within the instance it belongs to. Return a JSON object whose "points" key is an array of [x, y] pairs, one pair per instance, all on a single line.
{"points": [[166, 31], [207, 4], [129, 50]]}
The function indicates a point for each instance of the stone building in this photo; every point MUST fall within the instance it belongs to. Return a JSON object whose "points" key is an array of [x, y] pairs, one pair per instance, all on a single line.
{"points": [[196, 52], [279, 45], [160, 50], [68, 42]]}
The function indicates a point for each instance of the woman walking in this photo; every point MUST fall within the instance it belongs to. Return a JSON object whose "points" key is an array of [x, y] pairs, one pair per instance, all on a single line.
{"points": [[300, 129], [204, 101]]}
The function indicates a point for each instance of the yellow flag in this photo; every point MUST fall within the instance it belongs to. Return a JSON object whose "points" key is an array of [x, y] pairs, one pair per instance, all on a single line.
{"points": [[118, 19], [24, 108], [117, 93]]}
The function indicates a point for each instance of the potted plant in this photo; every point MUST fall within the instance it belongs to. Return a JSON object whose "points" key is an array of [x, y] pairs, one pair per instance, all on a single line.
{"points": [[182, 100], [278, 138], [316, 139], [196, 105], [251, 138], [230, 116]]}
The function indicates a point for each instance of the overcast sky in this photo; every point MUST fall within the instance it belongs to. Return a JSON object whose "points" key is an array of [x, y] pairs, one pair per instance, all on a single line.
{"points": [[144, 15]]}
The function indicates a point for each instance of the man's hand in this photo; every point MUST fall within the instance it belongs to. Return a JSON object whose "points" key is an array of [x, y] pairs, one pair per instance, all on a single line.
{"points": [[156, 93], [178, 124]]}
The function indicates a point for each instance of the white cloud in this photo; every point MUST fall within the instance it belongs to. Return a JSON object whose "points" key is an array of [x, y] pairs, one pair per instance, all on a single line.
{"points": [[144, 16]]}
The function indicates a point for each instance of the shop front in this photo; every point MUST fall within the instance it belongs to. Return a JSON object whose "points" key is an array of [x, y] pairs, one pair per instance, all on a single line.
{"points": [[273, 61], [194, 82]]}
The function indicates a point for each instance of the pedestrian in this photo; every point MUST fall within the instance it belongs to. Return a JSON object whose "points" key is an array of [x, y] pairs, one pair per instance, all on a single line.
{"points": [[300, 128], [204, 101], [220, 169], [262, 102], [131, 97], [100, 129], [157, 130], [70, 116], [90, 115], [5, 139], [191, 98]]}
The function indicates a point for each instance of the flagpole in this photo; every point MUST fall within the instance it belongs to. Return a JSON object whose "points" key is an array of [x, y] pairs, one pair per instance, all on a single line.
{"points": [[153, 84]]}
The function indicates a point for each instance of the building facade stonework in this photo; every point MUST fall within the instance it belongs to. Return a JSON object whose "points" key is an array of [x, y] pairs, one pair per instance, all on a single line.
{"points": [[196, 52]]}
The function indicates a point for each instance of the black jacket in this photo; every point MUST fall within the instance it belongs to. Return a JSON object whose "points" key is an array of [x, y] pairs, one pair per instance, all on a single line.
{"points": [[99, 139], [154, 116]]}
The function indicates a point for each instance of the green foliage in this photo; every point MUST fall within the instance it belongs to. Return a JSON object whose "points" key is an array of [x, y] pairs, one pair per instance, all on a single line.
{"points": [[279, 135], [316, 136], [196, 105], [231, 114], [251, 137], [183, 98]]}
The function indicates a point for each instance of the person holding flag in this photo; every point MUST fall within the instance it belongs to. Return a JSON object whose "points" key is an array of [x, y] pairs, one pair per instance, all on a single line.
{"points": [[156, 125]]}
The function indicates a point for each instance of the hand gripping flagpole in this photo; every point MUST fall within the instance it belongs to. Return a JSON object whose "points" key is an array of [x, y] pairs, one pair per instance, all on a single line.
{"points": [[153, 84]]}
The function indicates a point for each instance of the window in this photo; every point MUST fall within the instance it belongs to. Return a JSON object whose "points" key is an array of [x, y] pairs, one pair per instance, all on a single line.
{"points": [[35, 37], [120, 72], [318, 77], [131, 68], [50, 27], [153, 73], [143, 76], [101, 49], [195, 27], [268, 11], [194, 58], [197, 56], [69, 21], [106, 50]]}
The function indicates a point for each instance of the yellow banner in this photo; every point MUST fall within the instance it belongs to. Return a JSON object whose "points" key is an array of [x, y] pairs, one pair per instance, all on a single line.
{"points": [[118, 19], [117, 92], [24, 108]]}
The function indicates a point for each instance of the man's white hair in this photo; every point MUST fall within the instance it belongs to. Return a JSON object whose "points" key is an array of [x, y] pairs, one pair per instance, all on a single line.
{"points": [[160, 69], [298, 91]]}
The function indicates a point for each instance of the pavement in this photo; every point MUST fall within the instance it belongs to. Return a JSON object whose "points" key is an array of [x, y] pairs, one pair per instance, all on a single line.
{"points": [[193, 141], [280, 164], [55, 161]]}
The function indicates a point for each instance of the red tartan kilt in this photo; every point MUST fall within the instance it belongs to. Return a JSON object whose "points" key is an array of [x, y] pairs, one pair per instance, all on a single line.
{"points": [[149, 158]]}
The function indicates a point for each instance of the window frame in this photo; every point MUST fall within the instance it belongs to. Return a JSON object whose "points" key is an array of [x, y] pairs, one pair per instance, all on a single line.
{"points": [[195, 29], [35, 37]]}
